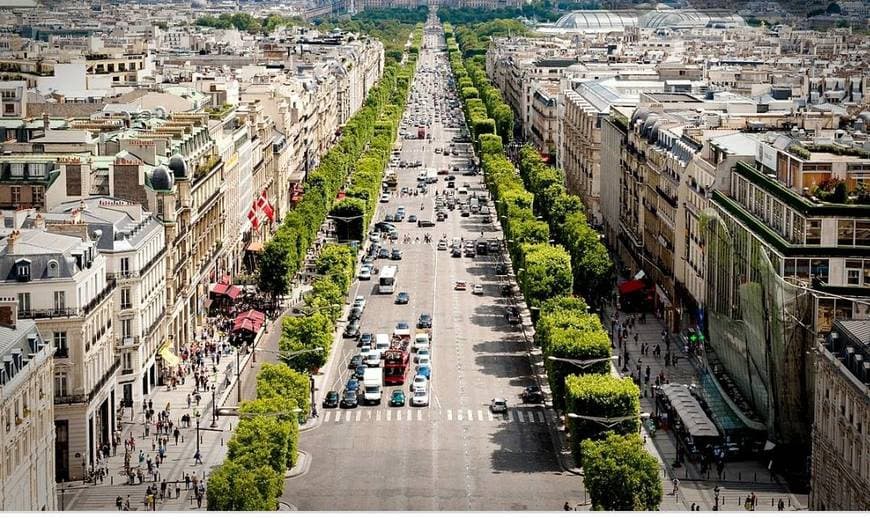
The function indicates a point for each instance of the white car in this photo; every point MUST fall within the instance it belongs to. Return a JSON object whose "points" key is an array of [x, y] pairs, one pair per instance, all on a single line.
{"points": [[420, 382], [365, 351], [442, 244], [423, 356], [421, 340], [477, 290], [460, 285], [373, 359], [498, 405], [420, 398], [359, 302], [385, 198], [365, 274]]}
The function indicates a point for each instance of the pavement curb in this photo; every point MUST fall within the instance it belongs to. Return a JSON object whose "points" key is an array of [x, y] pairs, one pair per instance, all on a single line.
{"points": [[301, 468]]}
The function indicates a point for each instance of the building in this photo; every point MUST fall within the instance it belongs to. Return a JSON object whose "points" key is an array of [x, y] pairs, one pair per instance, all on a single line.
{"points": [[59, 279], [841, 441], [26, 414], [13, 98]]}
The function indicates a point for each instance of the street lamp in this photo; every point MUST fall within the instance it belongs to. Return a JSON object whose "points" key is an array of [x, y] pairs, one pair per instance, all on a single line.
{"points": [[582, 363], [608, 421], [287, 356]]}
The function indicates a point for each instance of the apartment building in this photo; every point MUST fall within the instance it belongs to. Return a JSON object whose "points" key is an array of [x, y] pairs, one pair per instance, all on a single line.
{"points": [[59, 279], [26, 414], [13, 98], [841, 442]]}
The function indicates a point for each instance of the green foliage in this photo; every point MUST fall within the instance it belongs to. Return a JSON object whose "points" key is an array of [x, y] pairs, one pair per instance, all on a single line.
{"points": [[306, 333], [248, 23], [262, 441], [620, 474], [235, 487], [547, 272], [601, 396], [279, 381], [490, 143], [274, 269]]}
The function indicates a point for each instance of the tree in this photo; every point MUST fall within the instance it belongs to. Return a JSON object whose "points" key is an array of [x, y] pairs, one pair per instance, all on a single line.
{"points": [[262, 441], [283, 409], [349, 219], [233, 487], [274, 270], [620, 474], [278, 380], [547, 273], [601, 395]]}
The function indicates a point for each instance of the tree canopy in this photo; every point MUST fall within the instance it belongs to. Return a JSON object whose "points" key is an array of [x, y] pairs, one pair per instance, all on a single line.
{"points": [[620, 474]]}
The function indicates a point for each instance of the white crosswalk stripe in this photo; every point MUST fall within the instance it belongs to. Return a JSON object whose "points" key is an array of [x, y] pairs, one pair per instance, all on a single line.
{"points": [[541, 416], [514, 416], [347, 415], [459, 415], [469, 416], [326, 416], [338, 416], [398, 416], [491, 416], [389, 414], [480, 415], [358, 416], [449, 414], [419, 414], [520, 416]]}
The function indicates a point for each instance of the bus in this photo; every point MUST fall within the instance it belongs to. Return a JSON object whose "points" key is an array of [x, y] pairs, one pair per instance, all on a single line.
{"points": [[387, 280]]}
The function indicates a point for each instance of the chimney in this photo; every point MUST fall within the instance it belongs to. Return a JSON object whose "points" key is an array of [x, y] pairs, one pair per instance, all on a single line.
{"points": [[39, 222], [10, 242], [8, 312], [45, 122]]}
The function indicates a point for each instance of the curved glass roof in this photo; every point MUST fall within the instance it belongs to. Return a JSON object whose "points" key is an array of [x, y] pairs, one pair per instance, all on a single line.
{"points": [[596, 20], [687, 18], [602, 20]]}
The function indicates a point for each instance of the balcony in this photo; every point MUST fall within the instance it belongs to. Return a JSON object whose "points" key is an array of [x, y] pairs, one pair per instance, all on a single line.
{"points": [[48, 313], [85, 399], [110, 286]]}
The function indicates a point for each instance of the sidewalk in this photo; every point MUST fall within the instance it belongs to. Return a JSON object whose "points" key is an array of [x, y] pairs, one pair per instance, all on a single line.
{"points": [[179, 457]]}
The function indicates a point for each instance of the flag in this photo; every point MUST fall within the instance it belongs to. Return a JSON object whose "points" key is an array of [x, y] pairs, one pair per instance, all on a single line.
{"points": [[264, 205], [252, 216]]}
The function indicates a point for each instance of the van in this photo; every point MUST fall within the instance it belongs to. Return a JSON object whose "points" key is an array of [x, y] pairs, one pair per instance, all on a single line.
{"points": [[382, 342]]}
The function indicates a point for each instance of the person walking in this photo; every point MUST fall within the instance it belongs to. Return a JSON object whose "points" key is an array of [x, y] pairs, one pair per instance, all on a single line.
{"points": [[119, 502], [676, 483], [127, 503]]}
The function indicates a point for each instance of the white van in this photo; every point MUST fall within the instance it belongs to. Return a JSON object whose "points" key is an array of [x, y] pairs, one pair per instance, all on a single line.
{"points": [[382, 342], [421, 340]]}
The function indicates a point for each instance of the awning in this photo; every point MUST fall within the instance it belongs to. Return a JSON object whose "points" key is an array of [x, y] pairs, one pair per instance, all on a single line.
{"points": [[253, 315], [695, 420], [256, 246], [169, 358], [220, 288], [245, 325], [629, 287], [226, 280], [233, 292]]}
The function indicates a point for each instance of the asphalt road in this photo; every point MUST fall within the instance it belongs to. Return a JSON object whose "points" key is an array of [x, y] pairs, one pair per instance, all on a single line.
{"points": [[454, 454]]}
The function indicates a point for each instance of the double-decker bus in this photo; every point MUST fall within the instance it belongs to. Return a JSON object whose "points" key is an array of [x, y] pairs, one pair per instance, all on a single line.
{"points": [[387, 280]]}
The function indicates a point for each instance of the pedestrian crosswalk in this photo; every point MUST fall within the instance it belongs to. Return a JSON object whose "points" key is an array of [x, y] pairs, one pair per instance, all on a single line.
{"points": [[518, 416]]}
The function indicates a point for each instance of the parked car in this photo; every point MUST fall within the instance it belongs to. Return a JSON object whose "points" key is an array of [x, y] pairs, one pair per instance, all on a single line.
{"points": [[331, 400], [356, 360], [352, 330], [477, 290], [460, 285], [512, 314], [532, 395]]}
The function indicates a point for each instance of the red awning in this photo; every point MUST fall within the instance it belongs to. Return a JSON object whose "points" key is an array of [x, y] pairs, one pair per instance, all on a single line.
{"points": [[233, 292], [252, 315], [226, 280], [631, 286], [220, 288], [245, 325]]}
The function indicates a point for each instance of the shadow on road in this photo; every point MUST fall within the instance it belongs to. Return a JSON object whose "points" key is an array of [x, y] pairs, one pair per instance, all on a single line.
{"points": [[528, 452]]}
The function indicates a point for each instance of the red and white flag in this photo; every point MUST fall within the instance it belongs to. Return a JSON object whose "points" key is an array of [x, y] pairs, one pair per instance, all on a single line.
{"points": [[264, 205], [254, 217]]}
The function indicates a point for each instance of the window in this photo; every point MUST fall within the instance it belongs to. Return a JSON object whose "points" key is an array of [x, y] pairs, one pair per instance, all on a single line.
{"points": [[60, 301], [60, 345], [38, 195], [125, 266], [8, 109], [125, 298], [61, 385], [862, 233], [814, 232], [820, 269], [16, 195], [846, 232], [127, 361], [126, 328], [24, 302], [853, 272], [53, 269], [23, 270]]}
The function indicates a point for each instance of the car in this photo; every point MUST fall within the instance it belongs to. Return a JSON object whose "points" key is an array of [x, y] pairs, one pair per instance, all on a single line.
{"points": [[365, 273], [359, 372], [419, 382], [331, 399], [385, 198], [450, 178], [442, 244], [423, 356], [373, 359], [366, 339], [469, 252], [396, 254], [486, 219], [460, 285], [403, 298], [456, 253], [425, 321], [384, 226], [355, 361], [359, 302], [532, 395], [383, 253], [420, 398], [351, 331], [451, 184], [412, 218], [465, 211], [398, 217], [397, 398], [355, 313], [402, 329], [477, 290], [512, 314], [349, 399], [394, 234], [501, 269], [425, 223], [498, 405], [389, 217], [424, 370], [352, 385]]}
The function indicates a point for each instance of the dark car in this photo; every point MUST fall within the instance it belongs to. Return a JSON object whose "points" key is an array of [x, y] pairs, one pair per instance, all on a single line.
{"points": [[501, 269], [512, 314], [412, 218], [397, 398], [366, 339], [441, 217], [425, 223], [396, 255], [355, 313], [349, 399], [383, 253], [486, 219], [469, 252], [331, 399], [450, 178], [425, 321], [532, 395], [384, 227], [352, 385], [359, 372], [465, 212], [451, 184], [403, 298], [352, 330], [456, 252], [355, 361]]}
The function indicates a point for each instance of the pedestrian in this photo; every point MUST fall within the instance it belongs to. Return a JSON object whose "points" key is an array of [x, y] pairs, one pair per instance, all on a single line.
{"points": [[199, 501], [781, 505], [127, 503], [177, 491], [567, 507], [676, 483], [197, 458], [119, 502], [187, 481]]}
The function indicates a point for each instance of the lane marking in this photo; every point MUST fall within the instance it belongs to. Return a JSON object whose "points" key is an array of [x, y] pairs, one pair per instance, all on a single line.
{"points": [[347, 415], [480, 415], [459, 415], [338, 416], [398, 415], [449, 414], [470, 417], [541, 417], [389, 414], [358, 416], [419, 414], [326, 416], [520, 416], [531, 417]]}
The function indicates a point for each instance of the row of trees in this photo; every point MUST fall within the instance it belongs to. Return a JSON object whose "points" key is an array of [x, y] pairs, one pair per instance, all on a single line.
{"points": [[249, 23], [264, 445], [531, 202]]}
